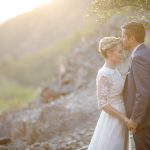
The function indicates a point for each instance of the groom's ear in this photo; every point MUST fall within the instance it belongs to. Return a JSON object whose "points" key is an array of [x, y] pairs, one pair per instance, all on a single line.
{"points": [[132, 38]]}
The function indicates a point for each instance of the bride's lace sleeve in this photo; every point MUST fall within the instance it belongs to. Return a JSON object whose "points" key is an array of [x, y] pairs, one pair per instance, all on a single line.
{"points": [[102, 88]]}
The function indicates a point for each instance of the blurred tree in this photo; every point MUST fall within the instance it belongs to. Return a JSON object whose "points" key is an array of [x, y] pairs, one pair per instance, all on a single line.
{"points": [[105, 8]]}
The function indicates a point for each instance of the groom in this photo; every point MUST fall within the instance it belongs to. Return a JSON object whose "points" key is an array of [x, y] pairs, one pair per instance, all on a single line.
{"points": [[137, 84]]}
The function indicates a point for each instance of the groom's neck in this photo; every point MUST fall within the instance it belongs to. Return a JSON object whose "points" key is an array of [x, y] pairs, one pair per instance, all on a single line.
{"points": [[134, 46]]}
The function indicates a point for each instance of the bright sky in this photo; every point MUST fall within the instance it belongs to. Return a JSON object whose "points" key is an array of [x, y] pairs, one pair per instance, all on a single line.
{"points": [[12, 8]]}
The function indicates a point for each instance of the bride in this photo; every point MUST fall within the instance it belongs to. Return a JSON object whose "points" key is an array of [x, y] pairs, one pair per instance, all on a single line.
{"points": [[111, 132]]}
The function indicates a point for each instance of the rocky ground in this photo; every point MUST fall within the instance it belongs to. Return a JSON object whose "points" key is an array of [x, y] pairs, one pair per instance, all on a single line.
{"points": [[64, 120]]}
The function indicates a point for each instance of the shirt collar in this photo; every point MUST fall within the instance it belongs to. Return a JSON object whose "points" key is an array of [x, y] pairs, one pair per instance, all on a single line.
{"points": [[132, 54]]}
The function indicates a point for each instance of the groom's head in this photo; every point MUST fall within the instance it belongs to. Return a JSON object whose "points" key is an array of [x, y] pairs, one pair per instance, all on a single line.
{"points": [[133, 33]]}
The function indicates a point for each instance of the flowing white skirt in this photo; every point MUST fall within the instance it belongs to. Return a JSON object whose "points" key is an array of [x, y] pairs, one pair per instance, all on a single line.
{"points": [[110, 133]]}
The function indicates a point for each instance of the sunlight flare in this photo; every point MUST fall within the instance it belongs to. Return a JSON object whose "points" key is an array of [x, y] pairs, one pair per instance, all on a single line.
{"points": [[12, 8]]}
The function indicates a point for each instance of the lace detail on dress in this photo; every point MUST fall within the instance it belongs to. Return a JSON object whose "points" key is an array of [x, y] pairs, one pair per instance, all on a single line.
{"points": [[103, 86], [109, 87]]}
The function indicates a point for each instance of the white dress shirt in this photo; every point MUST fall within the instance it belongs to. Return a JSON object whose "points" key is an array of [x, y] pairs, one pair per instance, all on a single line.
{"points": [[132, 54]]}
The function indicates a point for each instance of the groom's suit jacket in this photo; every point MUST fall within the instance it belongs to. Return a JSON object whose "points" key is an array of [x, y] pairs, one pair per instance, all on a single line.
{"points": [[137, 87]]}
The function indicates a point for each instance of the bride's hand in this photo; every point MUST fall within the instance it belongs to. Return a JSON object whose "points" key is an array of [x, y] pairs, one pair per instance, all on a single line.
{"points": [[128, 124]]}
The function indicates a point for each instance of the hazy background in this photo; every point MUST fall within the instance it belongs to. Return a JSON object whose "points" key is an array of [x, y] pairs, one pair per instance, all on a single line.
{"points": [[48, 65], [33, 45]]}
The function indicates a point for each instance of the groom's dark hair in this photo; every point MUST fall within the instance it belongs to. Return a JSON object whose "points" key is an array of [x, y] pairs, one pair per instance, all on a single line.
{"points": [[135, 29]]}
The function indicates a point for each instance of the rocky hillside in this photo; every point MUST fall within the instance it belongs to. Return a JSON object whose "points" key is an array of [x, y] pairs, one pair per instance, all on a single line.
{"points": [[31, 42], [33, 45]]}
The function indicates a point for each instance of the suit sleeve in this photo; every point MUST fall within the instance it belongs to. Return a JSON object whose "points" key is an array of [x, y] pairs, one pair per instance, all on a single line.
{"points": [[141, 77]]}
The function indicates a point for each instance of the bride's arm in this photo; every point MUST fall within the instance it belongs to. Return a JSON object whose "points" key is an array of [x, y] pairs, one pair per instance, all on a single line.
{"points": [[103, 88], [112, 111]]}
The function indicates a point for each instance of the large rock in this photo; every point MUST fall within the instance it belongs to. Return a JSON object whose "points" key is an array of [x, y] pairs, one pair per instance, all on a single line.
{"points": [[4, 141]]}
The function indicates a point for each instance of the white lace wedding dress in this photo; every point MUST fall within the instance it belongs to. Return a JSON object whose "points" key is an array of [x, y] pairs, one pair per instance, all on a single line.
{"points": [[110, 133]]}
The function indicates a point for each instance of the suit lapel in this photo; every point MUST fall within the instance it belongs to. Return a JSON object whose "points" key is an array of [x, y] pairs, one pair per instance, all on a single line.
{"points": [[131, 57]]}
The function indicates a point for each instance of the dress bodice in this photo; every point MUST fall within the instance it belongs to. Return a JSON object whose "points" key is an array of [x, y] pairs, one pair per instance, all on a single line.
{"points": [[109, 84]]}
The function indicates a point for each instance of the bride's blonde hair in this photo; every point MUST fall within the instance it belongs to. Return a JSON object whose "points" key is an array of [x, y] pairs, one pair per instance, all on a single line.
{"points": [[108, 44]]}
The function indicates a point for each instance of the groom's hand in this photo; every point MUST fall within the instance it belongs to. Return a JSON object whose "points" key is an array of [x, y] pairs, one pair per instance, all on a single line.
{"points": [[132, 125]]}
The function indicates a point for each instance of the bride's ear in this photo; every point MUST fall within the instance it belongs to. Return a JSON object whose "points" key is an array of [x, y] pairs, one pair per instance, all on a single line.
{"points": [[109, 53]]}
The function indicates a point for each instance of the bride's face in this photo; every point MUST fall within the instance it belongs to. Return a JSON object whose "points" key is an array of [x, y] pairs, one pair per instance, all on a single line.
{"points": [[117, 55]]}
